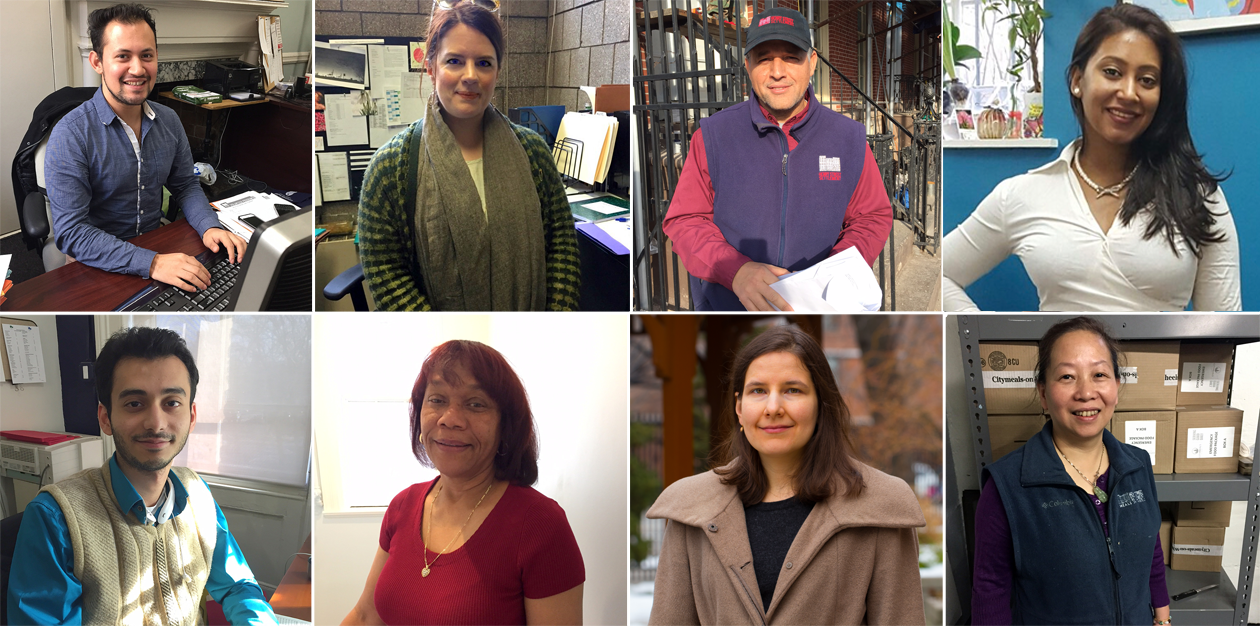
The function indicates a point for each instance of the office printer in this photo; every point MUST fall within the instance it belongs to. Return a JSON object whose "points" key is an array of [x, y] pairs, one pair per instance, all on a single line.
{"points": [[224, 77]]}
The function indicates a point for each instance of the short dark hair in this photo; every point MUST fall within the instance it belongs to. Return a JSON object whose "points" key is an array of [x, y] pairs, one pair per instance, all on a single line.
{"points": [[1056, 332], [470, 15], [827, 457], [518, 442], [145, 343], [128, 13], [1171, 179]]}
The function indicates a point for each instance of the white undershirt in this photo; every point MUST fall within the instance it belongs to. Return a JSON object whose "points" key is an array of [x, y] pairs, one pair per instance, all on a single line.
{"points": [[1043, 218], [478, 176]]}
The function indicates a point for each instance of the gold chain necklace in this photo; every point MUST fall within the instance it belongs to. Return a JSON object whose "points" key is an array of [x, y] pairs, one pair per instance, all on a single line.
{"points": [[1102, 495], [425, 572], [1101, 191]]}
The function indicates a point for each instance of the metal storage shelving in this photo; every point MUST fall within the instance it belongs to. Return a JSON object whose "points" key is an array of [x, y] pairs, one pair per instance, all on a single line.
{"points": [[1217, 606]]}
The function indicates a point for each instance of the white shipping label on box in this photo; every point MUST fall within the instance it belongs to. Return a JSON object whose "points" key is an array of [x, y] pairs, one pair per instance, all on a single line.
{"points": [[1141, 434], [1186, 548], [1170, 378], [1203, 377], [1009, 380], [1210, 443], [1128, 375]]}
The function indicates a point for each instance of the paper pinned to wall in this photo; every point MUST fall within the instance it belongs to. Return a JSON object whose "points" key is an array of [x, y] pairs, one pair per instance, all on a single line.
{"points": [[26, 353], [386, 66], [334, 175], [345, 128], [412, 97]]}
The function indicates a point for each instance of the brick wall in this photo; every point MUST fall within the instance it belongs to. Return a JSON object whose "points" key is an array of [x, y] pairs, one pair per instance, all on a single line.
{"points": [[590, 45], [522, 81]]}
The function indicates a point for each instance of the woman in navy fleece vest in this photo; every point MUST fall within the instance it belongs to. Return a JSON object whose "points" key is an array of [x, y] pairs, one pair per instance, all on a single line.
{"points": [[1067, 527]]}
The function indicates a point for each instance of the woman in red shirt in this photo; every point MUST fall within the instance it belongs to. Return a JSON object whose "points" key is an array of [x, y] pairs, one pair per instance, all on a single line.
{"points": [[476, 545]]}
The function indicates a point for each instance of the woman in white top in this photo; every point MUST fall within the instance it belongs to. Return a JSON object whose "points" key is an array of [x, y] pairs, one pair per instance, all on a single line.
{"points": [[1128, 217]]}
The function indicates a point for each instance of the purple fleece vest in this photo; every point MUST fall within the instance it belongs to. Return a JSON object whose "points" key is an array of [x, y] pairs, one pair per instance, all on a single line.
{"points": [[776, 207]]}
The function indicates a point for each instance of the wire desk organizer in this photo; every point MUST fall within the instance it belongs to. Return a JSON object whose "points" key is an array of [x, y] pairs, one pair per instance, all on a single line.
{"points": [[568, 156]]}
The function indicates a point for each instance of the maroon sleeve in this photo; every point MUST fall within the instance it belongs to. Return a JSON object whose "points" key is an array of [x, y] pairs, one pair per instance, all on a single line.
{"points": [[549, 559], [1159, 587], [994, 573], [689, 223], [868, 219], [395, 514]]}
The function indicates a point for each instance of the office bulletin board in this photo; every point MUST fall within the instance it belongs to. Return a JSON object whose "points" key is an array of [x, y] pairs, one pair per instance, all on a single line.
{"points": [[371, 89]]}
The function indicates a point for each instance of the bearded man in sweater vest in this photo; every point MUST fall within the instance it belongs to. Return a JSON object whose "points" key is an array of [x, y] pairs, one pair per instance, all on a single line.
{"points": [[776, 183], [136, 541]]}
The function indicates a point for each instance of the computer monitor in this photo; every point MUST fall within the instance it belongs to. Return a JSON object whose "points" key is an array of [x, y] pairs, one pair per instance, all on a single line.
{"points": [[275, 274], [277, 266]]}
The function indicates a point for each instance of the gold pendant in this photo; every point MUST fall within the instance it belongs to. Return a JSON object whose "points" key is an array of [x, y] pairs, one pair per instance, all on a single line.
{"points": [[425, 572], [1102, 495]]}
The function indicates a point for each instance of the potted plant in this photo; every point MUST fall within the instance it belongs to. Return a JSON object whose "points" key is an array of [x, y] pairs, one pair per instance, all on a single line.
{"points": [[1024, 35], [955, 92]]}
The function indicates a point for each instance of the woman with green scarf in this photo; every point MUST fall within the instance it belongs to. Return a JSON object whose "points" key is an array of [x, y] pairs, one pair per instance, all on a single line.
{"points": [[463, 210]]}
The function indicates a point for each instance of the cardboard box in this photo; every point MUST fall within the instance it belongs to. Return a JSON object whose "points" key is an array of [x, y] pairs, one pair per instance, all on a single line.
{"points": [[1153, 431], [1165, 539], [1008, 432], [1148, 376], [1205, 370], [1203, 514], [1207, 439], [1009, 386], [610, 98], [1197, 549]]}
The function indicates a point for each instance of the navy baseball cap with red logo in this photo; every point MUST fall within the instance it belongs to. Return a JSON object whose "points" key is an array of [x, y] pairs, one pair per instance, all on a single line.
{"points": [[778, 24]]}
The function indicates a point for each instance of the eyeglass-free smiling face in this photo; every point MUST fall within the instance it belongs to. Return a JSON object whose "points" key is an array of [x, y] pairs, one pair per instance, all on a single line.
{"points": [[1119, 88], [127, 63], [464, 71], [780, 73], [459, 424], [150, 415], [778, 406], [1081, 389]]}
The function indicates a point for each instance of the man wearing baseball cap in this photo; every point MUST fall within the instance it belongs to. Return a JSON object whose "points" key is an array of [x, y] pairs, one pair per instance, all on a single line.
{"points": [[776, 183]]}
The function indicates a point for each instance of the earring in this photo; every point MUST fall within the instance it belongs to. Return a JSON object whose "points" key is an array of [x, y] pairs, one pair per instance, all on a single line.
{"points": [[1076, 91], [741, 429]]}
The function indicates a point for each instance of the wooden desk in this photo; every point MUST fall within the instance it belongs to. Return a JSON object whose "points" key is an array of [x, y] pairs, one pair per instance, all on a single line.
{"points": [[292, 597], [77, 287]]}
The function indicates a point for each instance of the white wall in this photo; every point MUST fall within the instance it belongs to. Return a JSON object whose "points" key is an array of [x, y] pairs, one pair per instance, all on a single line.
{"points": [[576, 371], [29, 74], [36, 406]]}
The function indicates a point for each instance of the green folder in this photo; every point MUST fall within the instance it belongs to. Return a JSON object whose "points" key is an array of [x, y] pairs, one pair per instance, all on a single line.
{"points": [[582, 211]]}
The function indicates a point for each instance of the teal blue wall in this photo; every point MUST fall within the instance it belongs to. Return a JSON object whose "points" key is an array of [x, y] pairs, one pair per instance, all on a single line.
{"points": [[295, 29], [1224, 100]]}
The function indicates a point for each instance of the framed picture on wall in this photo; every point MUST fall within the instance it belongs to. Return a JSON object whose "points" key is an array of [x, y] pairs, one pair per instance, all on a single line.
{"points": [[1204, 16]]}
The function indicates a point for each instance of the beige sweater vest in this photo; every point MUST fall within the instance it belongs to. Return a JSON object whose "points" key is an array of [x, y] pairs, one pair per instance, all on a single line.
{"points": [[116, 558]]}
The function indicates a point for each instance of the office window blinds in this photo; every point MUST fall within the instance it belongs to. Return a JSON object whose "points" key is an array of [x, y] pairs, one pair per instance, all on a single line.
{"points": [[253, 399]]}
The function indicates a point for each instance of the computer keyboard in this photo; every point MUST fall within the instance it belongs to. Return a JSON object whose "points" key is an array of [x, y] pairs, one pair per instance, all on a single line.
{"points": [[215, 298]]}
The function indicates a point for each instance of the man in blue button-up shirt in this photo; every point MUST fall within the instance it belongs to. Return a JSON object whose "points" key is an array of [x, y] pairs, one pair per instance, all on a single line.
{"points": [[146, 383], [108, 159]]}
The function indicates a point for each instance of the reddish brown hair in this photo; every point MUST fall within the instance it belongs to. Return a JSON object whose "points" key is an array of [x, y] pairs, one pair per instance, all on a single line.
{"points": [[826, 463], [517, 457], [470, 15]]}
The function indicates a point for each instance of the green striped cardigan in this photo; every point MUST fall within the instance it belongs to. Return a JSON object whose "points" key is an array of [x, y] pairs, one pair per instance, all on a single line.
{"points": [[387, 245]]}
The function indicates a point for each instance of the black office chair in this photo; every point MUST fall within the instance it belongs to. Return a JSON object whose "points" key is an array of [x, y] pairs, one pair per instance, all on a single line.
{"points": [[28, 171], [8, 543], [348, 282]]}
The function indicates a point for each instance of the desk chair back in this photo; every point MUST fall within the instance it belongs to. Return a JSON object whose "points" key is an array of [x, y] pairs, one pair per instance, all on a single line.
{"points": [[8, 543], [52, 256], [28, 163]]}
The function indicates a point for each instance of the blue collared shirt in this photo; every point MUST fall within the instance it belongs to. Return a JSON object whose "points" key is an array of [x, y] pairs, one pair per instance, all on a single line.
{"points": [[44, 590], [102, 193]]}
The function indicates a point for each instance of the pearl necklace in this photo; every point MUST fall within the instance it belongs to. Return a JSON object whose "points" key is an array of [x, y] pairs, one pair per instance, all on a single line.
{"points": [[1101, 191]]}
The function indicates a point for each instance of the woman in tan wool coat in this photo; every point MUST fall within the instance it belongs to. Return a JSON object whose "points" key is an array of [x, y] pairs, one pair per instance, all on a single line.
{"points": [[792, 530]]}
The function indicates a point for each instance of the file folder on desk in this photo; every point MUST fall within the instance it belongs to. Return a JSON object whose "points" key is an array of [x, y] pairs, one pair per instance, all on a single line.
{"points": [[600, 209]]}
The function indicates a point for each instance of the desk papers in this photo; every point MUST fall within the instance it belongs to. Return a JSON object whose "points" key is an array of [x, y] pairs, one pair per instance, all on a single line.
{"points": [[26, 354], [843, 282], [261, 205]]}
